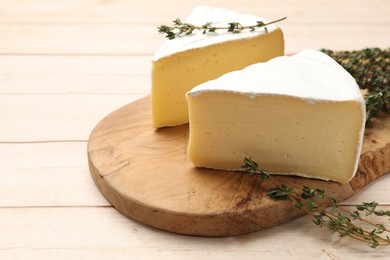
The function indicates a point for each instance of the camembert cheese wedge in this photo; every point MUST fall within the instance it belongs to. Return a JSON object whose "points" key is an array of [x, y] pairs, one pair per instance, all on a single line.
{"points": [[301, 115], [184, 62]]}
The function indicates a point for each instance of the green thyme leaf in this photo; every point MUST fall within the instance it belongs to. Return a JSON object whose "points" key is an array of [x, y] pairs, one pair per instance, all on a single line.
{"points": [[179, 28]]}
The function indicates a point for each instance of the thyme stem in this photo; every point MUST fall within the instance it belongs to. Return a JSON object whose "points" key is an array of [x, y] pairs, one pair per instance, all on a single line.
{"points": [[343, 224], [179, 28]]}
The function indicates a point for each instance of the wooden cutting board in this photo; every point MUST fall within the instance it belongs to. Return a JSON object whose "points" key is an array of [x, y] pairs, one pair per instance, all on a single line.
{"points": [[145, 174]]}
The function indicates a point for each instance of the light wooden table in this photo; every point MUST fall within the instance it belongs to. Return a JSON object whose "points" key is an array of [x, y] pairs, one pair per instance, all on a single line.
{"points": [[66, 64]]}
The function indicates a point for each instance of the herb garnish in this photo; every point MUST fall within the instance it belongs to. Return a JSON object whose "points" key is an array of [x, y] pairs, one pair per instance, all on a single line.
{"points": [[371, 69], [179, 28], [336, 218]]}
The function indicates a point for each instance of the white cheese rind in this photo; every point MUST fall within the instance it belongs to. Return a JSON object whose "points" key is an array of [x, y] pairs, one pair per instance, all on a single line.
{"points": [[220, 17], [310, 76]]}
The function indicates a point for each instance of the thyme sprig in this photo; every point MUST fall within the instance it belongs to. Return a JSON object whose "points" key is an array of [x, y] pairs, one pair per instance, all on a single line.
{"points": [[336, 218], [371, 69], [180, 28]]}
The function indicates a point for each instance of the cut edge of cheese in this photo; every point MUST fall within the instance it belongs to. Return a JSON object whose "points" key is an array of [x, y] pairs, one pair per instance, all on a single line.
{"points": [[338, 87]]}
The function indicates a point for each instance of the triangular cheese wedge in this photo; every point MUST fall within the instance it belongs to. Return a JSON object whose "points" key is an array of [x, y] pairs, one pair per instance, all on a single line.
{"points": [[184, 62], [300, 115]]}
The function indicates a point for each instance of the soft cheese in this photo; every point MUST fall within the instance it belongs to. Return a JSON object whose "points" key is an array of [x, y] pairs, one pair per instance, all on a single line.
{"points": [[184, 62], [300, 115]]}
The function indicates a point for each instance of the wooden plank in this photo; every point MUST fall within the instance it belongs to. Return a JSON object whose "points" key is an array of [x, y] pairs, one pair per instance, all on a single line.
{"points": [[155, 12], [143, 39], [78, 39], [56, 174], [102, 84], [34, 74], [47, 174], [102, 233], [60, 117]]}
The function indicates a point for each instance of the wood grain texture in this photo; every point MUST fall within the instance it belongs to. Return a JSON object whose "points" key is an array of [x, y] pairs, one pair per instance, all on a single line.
{"points": [[111, 39], [154, 12], [54, 117], [146, 175], [103, 233], [60, 74], [46, 174], [117, 27]]}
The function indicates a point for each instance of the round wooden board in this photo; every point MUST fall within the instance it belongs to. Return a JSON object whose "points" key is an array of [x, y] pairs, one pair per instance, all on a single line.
{"points": [[145, 174]]}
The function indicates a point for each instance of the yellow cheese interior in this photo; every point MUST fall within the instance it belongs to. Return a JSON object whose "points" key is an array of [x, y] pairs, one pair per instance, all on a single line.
{"points": [[283, 134], [175, 75]]}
